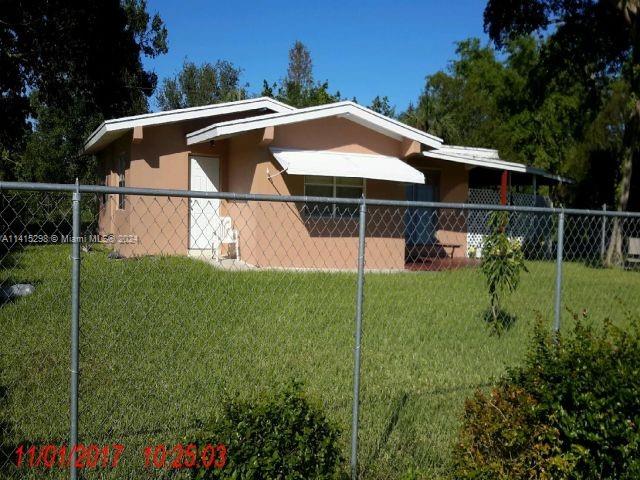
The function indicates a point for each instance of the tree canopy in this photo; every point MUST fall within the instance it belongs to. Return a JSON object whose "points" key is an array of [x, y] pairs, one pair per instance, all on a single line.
{"points": [[486, 100], [596, 43], [65, 66], [383, 105], [299, 88], [300, 70], [201, 85]]}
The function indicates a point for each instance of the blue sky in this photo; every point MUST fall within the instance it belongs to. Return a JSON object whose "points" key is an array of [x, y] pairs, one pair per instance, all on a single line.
{"points": [[362, 48]]}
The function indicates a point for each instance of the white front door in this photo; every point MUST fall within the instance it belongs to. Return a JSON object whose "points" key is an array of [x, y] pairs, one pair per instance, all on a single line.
{"points": [[204, 212]]}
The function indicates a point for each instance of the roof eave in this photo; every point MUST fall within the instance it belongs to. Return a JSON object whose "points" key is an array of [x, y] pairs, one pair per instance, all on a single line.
{"points": [[349, 110], [124, 124]]}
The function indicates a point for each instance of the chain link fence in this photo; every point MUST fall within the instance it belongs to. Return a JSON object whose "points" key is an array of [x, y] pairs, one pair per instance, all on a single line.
{"points": [[187, 300]]}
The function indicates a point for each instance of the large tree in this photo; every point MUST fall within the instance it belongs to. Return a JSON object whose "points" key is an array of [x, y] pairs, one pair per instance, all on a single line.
{"points": [[488, 100], [299, 88], [204, 84], [596, 42], [65, 65], [300, 70]]}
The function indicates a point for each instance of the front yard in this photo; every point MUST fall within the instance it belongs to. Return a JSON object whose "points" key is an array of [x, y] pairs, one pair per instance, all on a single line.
{"points": [[164, 341]]}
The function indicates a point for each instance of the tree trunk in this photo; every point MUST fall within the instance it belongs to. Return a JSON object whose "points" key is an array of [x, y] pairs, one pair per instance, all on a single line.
{"points": [[631, 138], [614, 252]]}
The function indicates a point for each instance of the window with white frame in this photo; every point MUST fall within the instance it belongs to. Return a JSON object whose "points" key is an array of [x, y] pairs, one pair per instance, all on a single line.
{"points": [[121, 179], [338, 187], [104, 196]]}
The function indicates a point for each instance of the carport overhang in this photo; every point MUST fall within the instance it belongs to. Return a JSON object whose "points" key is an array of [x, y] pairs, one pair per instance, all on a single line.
{"points": [[489, 169], [489, 159]]}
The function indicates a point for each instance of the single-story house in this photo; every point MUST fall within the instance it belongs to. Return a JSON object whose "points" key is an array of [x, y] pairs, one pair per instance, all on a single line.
{"points": [[263, 146]]}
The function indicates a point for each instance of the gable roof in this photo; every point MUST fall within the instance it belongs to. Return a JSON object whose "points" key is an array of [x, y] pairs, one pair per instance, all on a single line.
{"points": [[349, 110], [488, 158], [109, 130]]}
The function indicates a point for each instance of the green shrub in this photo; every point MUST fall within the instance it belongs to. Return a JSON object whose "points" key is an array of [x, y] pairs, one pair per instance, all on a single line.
{"points": [[280, 437], [571, 412], [502, 263], [504, 437]]}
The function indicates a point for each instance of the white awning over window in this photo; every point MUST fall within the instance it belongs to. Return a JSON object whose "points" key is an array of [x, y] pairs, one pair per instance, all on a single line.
{"points": [[339, 164]]}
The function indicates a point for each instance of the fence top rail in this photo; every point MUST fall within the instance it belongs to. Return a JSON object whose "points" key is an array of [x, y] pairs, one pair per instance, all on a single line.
{"points": [[101, 189]]}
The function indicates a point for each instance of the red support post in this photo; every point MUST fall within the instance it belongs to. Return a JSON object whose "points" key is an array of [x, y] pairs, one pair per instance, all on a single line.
{"points": [[503, 187]]}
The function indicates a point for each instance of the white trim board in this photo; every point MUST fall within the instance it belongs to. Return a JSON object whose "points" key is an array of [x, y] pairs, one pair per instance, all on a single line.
{"points": [[349, 110], [111, 129]]}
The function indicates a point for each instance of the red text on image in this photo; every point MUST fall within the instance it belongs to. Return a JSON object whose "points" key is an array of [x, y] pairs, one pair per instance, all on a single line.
{"points": [[59, 456], [181, 456]]}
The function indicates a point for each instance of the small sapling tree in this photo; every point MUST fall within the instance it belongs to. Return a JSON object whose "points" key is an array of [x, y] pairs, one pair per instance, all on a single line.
{"points": [[502, 263]]}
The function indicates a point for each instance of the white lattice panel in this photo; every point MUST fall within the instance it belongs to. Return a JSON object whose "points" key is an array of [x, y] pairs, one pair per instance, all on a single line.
{"points": [[521, 226]]}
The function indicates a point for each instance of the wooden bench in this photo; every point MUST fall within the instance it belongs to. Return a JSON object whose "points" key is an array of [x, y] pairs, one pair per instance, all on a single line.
{"points": [[452, 246], [431, 250]]}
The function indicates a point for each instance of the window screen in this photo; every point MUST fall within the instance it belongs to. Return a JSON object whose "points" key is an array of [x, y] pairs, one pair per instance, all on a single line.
{"points": [[339, 187]]}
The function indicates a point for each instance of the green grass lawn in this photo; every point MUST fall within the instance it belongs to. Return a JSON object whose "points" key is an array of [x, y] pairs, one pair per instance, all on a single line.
{"points": [[165, 341]]}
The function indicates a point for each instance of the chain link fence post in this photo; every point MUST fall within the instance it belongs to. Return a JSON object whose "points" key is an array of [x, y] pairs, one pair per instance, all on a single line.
{"points": [[358, 337], [75, 311], [559, 252]]}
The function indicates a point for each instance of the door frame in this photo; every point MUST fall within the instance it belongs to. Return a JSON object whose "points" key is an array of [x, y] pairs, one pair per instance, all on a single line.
{"points": [[190, 156], [435, 173]]}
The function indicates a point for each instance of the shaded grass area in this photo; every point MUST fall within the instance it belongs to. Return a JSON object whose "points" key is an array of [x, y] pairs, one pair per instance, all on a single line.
{"points": [[166, 341]]}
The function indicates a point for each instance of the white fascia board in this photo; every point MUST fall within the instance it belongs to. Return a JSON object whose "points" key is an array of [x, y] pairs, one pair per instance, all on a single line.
{"points": [[170, 116], [470, 151], [497, 164], [484, 162], [436, 141], [349, 110], [95, 136]]}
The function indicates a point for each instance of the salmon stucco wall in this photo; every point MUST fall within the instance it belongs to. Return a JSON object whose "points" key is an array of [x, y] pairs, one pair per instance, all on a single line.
{"points": [[152, 225], [284, 235]]}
